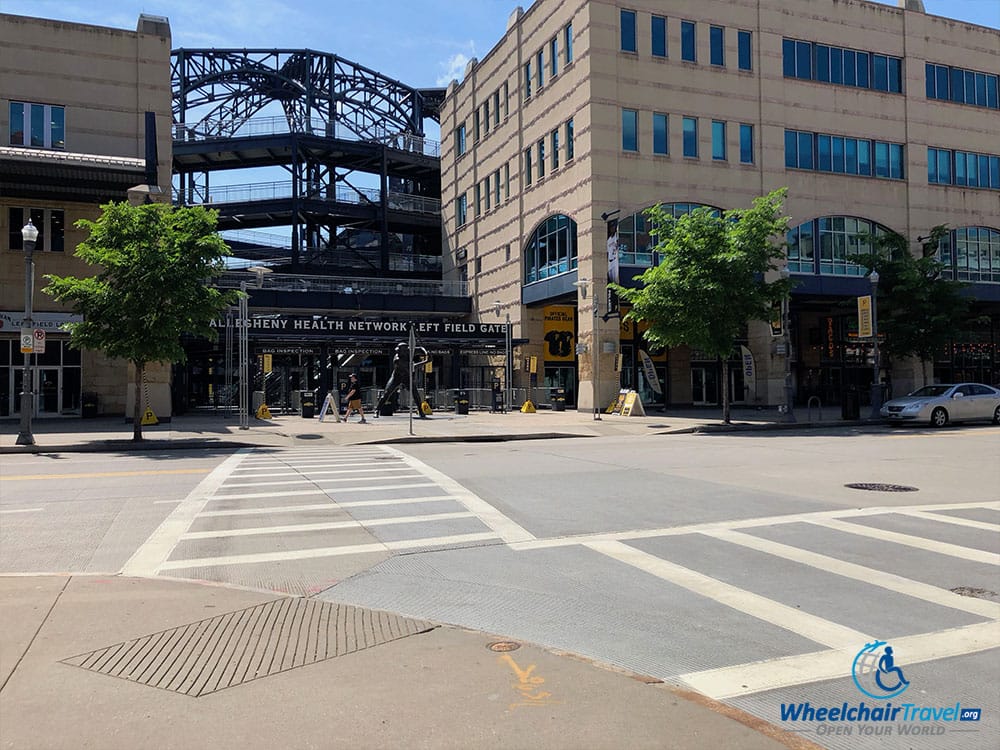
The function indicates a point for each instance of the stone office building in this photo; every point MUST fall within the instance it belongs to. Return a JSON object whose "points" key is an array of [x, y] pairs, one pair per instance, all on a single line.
{"points": [[74, 134], [876, 117]]}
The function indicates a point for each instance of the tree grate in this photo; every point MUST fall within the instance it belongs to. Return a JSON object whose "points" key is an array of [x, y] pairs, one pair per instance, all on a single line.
{"points": [[880, 487], [238, 647]]}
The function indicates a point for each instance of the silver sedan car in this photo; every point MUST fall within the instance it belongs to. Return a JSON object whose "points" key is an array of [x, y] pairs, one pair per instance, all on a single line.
{"points": [[940, 404]]}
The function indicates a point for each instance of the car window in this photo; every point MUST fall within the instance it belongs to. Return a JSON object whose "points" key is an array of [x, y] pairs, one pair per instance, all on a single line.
{"points": [[931, 390], [965, 390], [981, 390]]}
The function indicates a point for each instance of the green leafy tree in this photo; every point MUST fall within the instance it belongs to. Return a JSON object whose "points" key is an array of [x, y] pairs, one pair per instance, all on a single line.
{"points": [[919, 309], [152, 284], [710, 280]]}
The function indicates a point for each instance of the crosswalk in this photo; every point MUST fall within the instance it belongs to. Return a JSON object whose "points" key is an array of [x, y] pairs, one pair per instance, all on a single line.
{"points": [[265, 507]]}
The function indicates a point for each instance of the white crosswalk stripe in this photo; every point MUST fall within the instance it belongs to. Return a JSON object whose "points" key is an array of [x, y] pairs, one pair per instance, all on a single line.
{"points": [[203, 534]]}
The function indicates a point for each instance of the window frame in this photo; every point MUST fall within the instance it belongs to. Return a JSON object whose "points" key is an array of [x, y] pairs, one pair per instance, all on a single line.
{"points": [[658, 36], [661, 144], [689, 41], [719, 149], [690, 138], [744, 45], [746, 145], [633, 116], [717, 46], [628, 32]]}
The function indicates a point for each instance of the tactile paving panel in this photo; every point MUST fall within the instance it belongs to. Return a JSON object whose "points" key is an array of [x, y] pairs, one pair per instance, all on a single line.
{"points": [[234, 648]]}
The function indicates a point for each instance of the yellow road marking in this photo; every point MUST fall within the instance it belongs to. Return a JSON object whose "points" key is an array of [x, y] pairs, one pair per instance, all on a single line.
{"points": [[93, 474]]}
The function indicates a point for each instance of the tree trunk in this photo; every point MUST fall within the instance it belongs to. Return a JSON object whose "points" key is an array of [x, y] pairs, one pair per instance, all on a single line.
{"points": [[137, 405], [725, 390]]}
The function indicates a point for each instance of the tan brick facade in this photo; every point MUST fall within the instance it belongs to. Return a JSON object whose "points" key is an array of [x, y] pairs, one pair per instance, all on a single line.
{"points": [[602, 80]]}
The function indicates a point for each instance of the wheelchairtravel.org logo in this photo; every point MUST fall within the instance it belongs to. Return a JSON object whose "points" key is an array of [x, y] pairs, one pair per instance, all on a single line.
{"points": [[877, 676]]}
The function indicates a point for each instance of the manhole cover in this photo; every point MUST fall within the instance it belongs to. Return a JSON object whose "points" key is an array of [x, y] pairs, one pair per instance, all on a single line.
{"points": [[237, 647], [880, 487], [504, 646], [974, 591]]}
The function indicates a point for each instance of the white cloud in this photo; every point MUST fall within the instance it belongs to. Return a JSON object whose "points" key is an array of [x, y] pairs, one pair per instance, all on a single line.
{"points": [[454, 66]]}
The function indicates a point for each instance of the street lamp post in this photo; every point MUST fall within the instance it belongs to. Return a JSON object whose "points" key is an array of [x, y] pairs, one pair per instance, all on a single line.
{"points": [[876, 385], [29, 234], [508, 341], [786, 328]]}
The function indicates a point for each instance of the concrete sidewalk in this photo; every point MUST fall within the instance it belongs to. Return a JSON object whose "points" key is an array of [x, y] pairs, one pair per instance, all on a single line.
{"points": [[109, 663], [201, 430]]}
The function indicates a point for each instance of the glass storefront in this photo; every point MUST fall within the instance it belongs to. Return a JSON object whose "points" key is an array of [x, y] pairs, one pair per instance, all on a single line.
{"points": [[57, 377]]}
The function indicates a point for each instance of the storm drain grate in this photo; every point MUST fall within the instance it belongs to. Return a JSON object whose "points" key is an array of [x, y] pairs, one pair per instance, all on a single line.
{"points": [[880, 487], [231, 649]]}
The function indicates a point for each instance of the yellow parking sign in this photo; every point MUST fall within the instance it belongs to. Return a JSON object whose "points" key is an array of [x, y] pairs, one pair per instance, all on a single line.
{"points": [[865, 317]]}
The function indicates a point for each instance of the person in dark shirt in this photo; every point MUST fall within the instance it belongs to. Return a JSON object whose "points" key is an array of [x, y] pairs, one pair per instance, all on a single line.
{"points": [[354, 400]]}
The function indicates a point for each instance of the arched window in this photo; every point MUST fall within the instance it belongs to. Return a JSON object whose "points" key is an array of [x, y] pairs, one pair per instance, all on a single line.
{"points": [[634, 245], [824, 245], [551, 249], [971, 254]]}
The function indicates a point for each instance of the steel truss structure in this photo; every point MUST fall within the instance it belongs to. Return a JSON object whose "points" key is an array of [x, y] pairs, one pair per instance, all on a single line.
{"points": [[361, 187]]}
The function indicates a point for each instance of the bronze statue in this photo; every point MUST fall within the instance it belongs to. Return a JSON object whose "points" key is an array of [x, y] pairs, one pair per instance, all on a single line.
{"points": [[401, 377]]}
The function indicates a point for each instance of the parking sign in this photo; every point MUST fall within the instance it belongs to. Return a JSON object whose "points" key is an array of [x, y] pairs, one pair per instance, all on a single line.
{"points": [[27, 341], [39, 341]]}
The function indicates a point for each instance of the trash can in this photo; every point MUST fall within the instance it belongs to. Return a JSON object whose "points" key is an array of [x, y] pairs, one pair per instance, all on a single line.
{"points": [[307, 403], [462, 402], [850, 404], [88, 406], [559, 399]]}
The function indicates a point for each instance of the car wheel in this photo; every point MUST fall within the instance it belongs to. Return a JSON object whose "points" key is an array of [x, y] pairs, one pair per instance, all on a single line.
{"points": [[939, 417], [996, 415]]}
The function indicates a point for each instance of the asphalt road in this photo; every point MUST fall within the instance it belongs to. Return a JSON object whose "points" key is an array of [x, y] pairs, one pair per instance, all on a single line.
{"points": [[739, 565]]}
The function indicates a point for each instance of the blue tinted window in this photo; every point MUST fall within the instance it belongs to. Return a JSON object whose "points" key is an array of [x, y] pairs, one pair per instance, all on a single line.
{"points": [[788, 57], [864, 157], [984, 171], [838, 155], [895, 75], [690, 136], [896, 168], [864, 73], [568, 42], [718, 140], [850, 68], [836, 65], [659, 34], [823, 156], [791, 149], [957, 85], [688, 51], [995, 173], [981, 89], [803, 60], [746, 144], [932, 170], [822, 63], [931, 81], [628, 30], [717, 39], [970, 87], [944, 166], [943, 77], [806, 151], [851, 155], [630, 130], [991, 91], [880, 65], [744, 39], [660, 144], [881, 159]]}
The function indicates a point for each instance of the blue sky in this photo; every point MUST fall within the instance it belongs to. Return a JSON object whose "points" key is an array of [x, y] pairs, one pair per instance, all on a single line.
{"points": [[420, 42]]}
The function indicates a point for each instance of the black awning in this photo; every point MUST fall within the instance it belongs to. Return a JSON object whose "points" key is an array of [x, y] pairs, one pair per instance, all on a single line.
{"points": [[66, 181]]}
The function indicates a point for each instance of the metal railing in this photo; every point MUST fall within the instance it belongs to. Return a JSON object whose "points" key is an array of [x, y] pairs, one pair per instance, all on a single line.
{"points": [[280, 190], [210, 130], [343, 284]]}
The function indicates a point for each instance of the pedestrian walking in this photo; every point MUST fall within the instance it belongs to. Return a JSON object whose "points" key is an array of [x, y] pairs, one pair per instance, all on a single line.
{"points": [[354, 400]]}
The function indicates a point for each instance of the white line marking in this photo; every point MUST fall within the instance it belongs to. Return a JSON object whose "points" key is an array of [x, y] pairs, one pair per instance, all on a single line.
{"points": [[325, 526], [380, 466], [801, 623], [956, 520], [879, 578], [302, 554], [299, 493], [505, 527], [746, 523], [322, 506], [320, 480], [943, 548], [756, 677], [375, 460], [23, 510], [166, 502], [148, 558]]}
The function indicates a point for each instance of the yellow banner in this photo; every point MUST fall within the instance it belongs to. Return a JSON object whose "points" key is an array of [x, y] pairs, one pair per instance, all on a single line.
{"points": [[560, 335], [865, 316]]}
